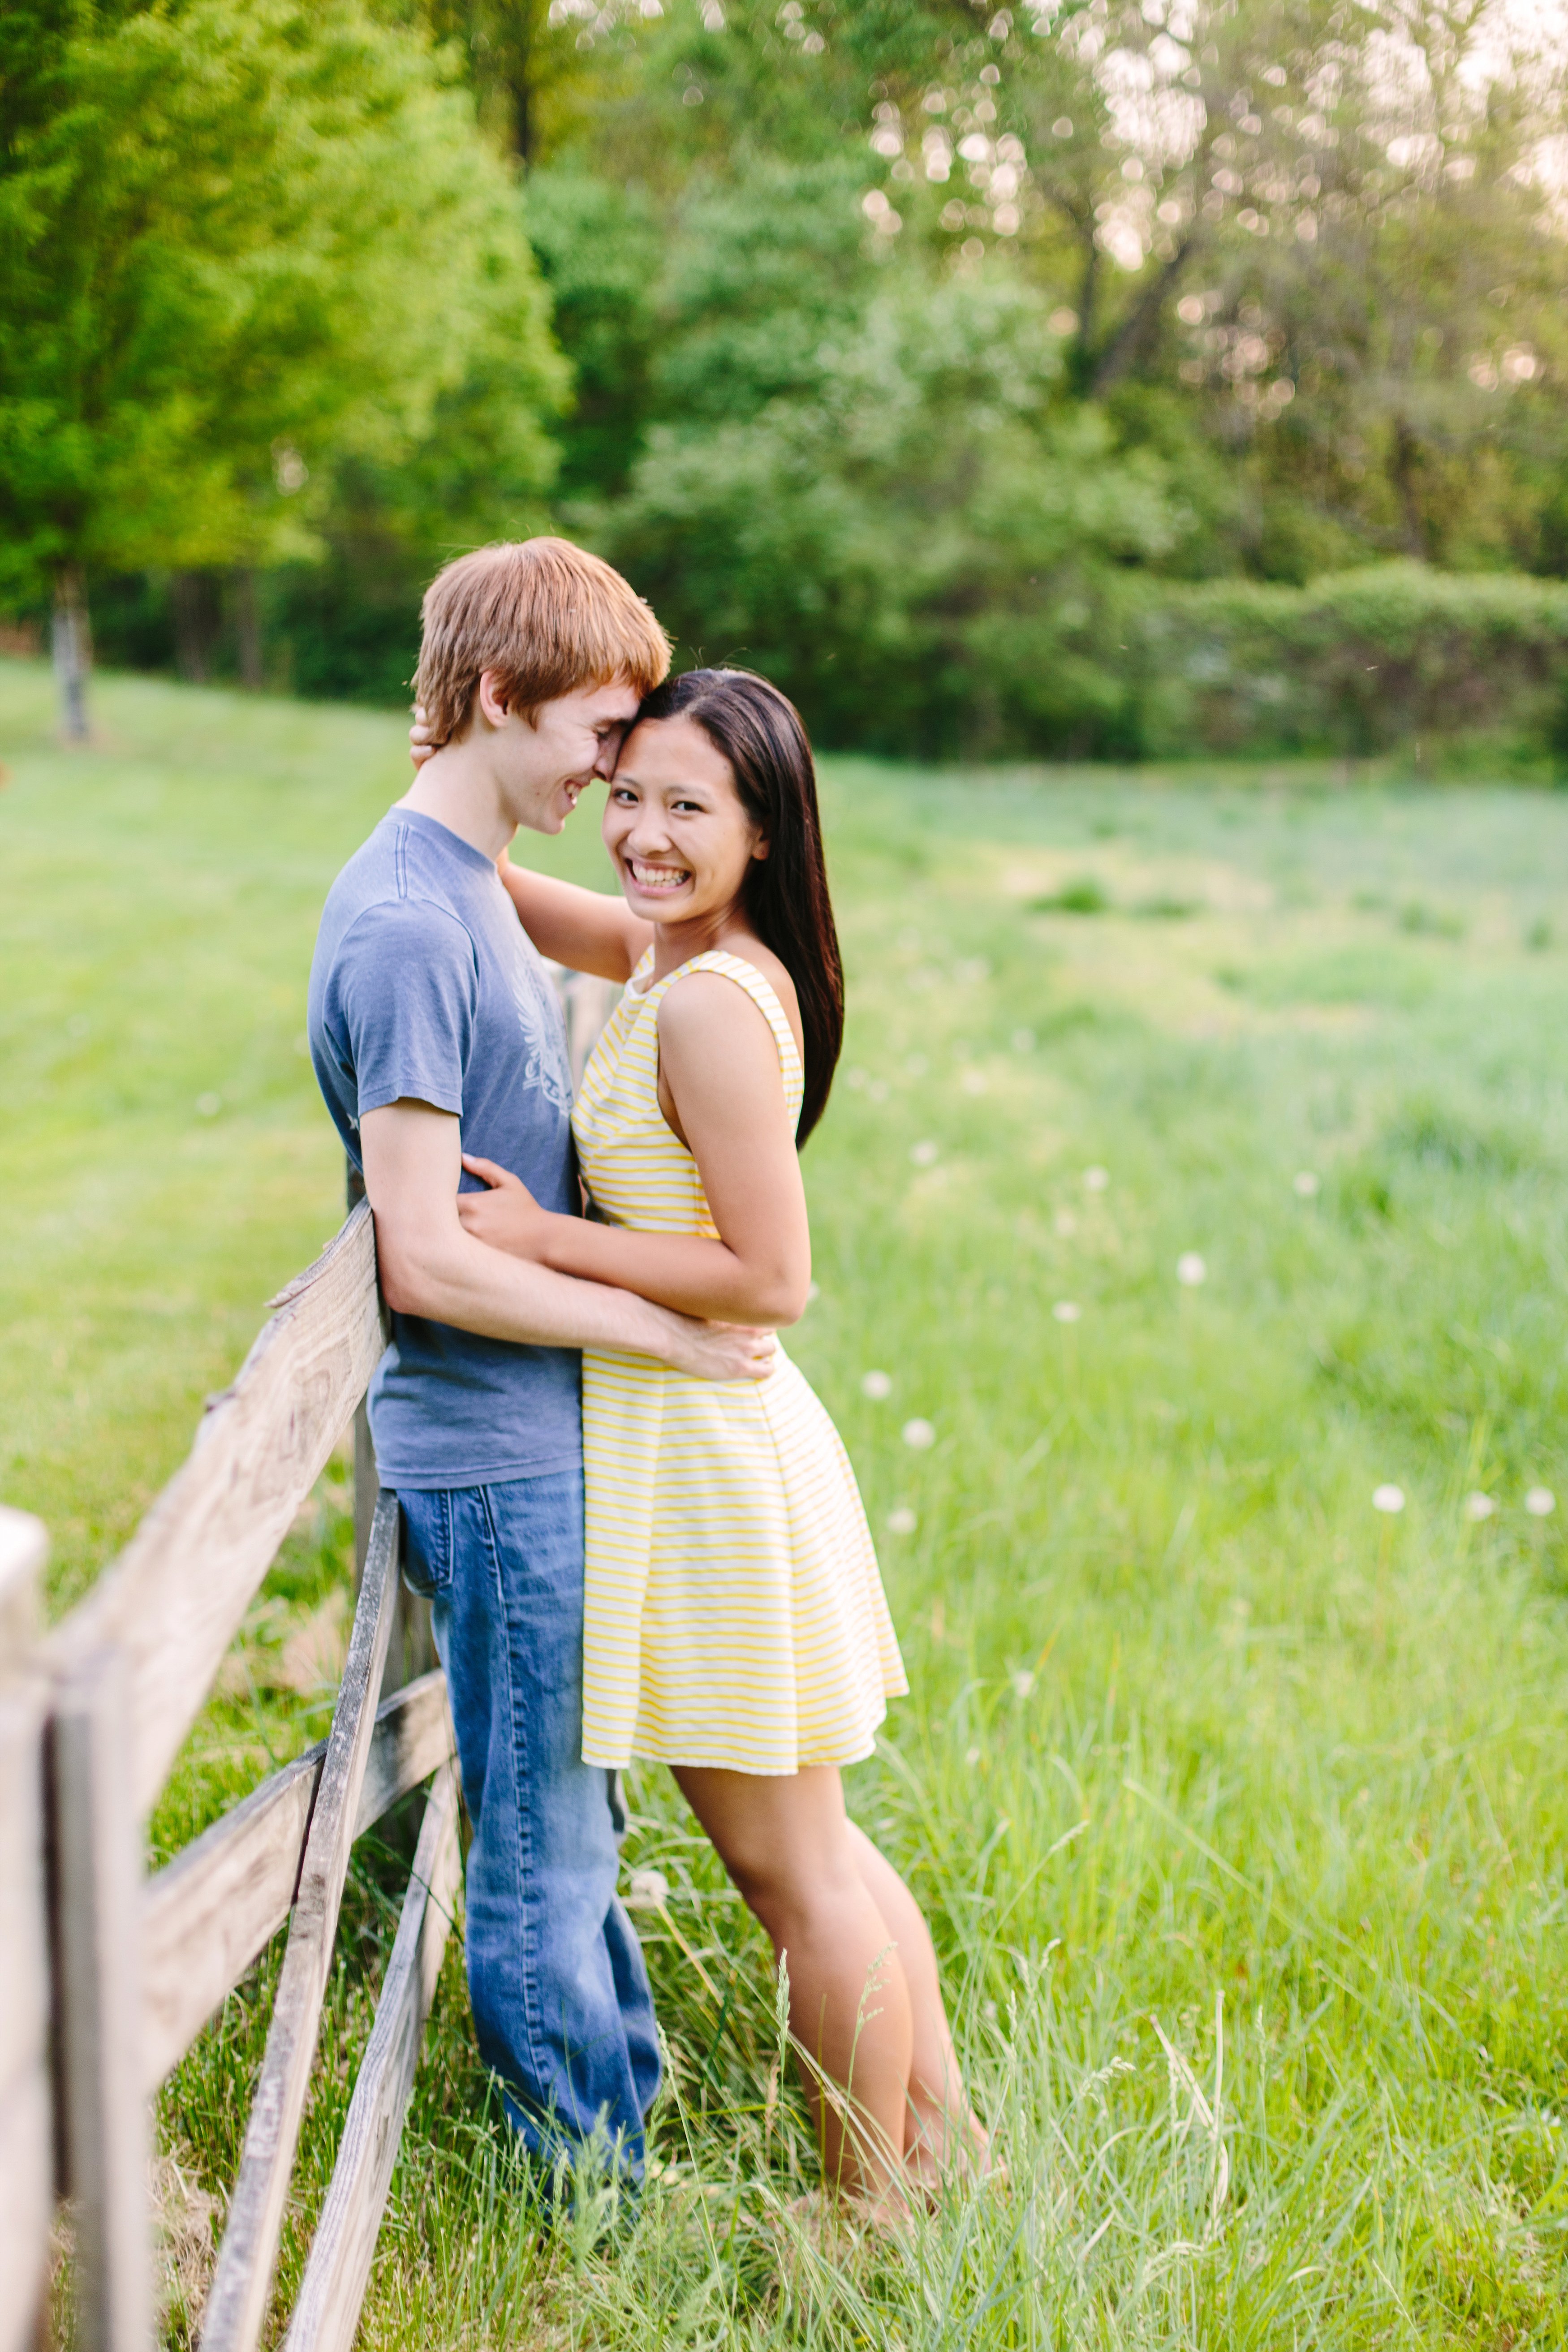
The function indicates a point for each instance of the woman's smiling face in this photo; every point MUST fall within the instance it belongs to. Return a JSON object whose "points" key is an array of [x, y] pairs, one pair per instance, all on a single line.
{"points": [[675, 826]]}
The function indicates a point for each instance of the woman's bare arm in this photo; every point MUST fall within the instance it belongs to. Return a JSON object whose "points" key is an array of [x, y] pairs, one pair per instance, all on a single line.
{"points": [[720, 1063], [430, 1267], [586, 929]]}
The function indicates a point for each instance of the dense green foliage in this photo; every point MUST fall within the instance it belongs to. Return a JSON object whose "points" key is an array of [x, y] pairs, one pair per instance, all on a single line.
{"points": [[254, 267], [910, 344], [1459, 668], [1200, 1745]]}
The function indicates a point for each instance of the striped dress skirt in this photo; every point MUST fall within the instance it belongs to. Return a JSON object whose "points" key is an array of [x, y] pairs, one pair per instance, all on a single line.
{"points": [[734, 1612]]}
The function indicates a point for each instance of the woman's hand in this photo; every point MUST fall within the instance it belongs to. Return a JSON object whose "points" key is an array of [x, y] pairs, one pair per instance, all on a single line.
{"points": [[506, 1216], [421, 739]]}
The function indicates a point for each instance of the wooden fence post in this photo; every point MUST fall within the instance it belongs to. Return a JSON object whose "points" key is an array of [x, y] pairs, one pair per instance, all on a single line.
{"points": [[97, 1848], [27, 2153], [326, 2316], [237, 2303], [119, 1975]]}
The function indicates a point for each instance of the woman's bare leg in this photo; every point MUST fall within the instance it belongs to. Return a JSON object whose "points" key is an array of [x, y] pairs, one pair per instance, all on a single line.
{"points": [[938, 2111], [787, 1843]]}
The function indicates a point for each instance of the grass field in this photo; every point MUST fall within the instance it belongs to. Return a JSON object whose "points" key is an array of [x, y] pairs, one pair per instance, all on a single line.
{"points": [[1239, 1806]]}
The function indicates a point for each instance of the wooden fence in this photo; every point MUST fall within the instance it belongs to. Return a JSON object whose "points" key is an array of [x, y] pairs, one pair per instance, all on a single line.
{"points": [[110, 1975]]}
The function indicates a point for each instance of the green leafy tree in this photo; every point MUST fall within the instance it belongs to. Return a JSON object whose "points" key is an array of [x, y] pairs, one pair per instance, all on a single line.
{"points": [[921, 544], [242, 242]]}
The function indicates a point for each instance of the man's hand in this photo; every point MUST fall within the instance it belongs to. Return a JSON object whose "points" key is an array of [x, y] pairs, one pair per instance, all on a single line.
{"points": [[509, 1218], [421, 739], [506, 1216], [721, 1351]]}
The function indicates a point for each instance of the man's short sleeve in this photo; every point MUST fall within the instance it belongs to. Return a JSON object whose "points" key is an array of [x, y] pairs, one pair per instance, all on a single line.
{"points": [[401, 1000]]}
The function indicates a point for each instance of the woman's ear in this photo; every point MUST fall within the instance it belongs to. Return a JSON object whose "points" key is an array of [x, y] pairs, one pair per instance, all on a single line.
{"points": [[761, 846]]}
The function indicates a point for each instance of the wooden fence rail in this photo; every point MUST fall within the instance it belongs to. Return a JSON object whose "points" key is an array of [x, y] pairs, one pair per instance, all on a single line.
{"points": [[108, 1976]]}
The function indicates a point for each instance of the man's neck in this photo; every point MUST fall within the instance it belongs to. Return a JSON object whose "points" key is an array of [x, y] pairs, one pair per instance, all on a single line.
{"points": [[458, 789]]}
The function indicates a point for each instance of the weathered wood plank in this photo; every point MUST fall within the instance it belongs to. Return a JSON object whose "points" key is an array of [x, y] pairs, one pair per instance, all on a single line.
{"points": [[237, 2299], [97, 1891], [23, 1947], [326, 2315], [26, 2129], [24, 1547], [586, 1004], [205, 1916], [174, 1599], [27, 2172]]}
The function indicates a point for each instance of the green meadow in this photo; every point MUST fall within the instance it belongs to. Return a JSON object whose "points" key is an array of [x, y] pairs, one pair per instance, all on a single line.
{"points": [[1238, 1804]]}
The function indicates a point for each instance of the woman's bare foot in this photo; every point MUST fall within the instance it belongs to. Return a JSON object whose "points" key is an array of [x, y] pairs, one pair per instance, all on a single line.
{"points": [[936, 2159]]}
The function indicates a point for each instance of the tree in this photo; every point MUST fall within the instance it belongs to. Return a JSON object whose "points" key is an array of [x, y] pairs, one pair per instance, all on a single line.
{"points": [[241, 242]]}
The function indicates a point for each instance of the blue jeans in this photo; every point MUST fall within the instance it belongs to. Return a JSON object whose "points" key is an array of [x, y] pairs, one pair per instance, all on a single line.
{"points": [[560, 1993]]}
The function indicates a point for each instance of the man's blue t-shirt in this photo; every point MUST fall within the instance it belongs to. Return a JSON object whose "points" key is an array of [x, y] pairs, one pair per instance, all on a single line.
{"points": [[424, 984]]}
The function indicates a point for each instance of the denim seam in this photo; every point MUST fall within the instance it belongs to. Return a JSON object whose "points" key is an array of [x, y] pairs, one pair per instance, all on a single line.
{"points": [[539, 2046]]}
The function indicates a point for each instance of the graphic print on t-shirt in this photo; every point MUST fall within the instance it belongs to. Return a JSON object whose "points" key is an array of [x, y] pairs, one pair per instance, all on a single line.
{"points": [[538, 1018]]}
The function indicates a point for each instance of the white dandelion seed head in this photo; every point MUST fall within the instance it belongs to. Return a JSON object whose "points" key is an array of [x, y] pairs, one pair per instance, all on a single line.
{"points": [[1066, 1311], [1540, 1502], [648, 1890], [1478, 1506], [971, 1757], [1095, 1180], [1067, 1223], [920, 1434], [1023, 1683], [1191, 1270], [1304, 1185], [877, 1090], [924, 1155], [209, 1106], [901, 1522], [1022, 1041], [1389, 1498], [972, 1081], [876, 1385]]}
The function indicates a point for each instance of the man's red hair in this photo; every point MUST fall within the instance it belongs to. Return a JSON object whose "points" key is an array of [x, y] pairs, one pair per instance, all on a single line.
{"points": [[545, 616]]}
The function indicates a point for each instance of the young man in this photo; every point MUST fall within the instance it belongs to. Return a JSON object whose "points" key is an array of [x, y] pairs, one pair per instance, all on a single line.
{"points": [[435, 1030]]}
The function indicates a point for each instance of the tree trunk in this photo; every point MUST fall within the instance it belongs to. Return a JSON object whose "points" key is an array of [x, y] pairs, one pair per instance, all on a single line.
{"points": [[248, 629], [1127, 345], [195, 624], [1404, 469], [522, 116], [70, 644], [1081, 366]]}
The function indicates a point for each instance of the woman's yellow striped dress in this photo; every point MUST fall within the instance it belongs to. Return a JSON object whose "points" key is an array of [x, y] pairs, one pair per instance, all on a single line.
{"points": [[734, 1612]]}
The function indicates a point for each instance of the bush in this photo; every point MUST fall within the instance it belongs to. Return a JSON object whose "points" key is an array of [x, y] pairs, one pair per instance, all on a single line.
{"points": [[1355, 663]]}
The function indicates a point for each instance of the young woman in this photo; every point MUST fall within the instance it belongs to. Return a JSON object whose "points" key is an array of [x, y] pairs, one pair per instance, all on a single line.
{"points": [[735, 1627]]}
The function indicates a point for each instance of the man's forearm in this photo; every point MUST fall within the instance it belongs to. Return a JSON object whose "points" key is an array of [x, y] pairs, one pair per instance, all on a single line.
{"points": [[464, 1283]]}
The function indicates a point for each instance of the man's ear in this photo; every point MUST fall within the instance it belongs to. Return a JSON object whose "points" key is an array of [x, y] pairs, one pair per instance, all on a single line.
{"points": [[494, 704]]}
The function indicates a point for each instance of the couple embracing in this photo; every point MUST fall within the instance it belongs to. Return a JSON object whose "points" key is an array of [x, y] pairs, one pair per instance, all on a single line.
{"points": [[638, 1529]]}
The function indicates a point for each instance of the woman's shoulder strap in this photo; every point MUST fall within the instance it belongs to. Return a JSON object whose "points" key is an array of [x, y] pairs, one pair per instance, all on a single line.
{"points": [[763, 995]]}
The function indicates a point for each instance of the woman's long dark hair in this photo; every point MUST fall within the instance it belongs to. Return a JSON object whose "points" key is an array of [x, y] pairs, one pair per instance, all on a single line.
{"points": [[761, 735]]}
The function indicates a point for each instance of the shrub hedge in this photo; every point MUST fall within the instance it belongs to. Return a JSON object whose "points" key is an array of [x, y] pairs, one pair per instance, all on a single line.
{"points": [[1357, 662]]}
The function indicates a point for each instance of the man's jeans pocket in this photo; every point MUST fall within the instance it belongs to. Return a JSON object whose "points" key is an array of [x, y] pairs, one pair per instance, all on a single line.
{"points": [[427, 1543]]}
